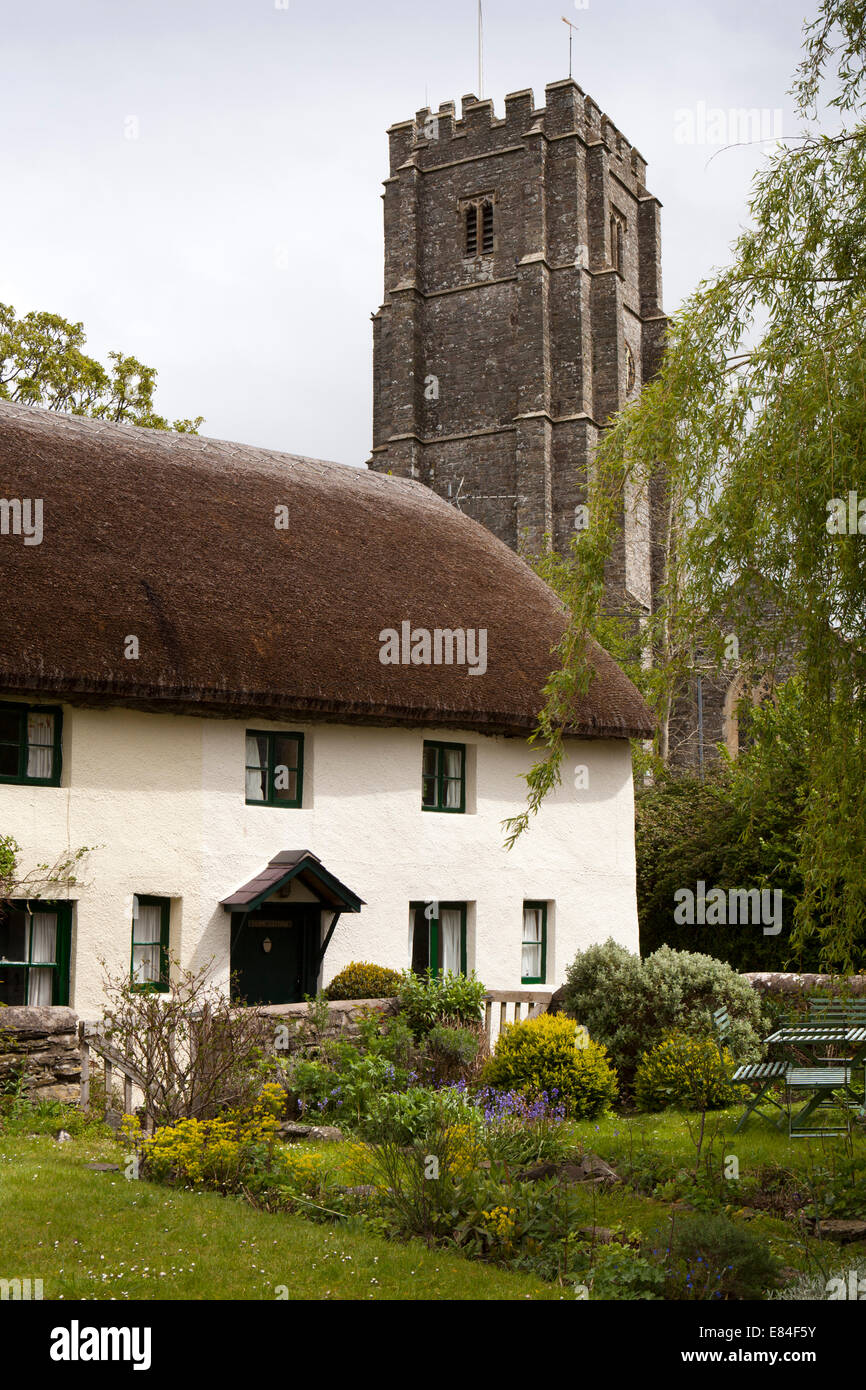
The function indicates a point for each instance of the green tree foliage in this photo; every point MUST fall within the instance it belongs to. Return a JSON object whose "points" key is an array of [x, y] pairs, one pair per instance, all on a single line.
{"points": [[42, 362], [739, 828], [755, 423]]}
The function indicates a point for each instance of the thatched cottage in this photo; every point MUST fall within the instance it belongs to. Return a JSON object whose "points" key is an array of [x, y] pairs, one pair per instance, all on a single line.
{"points": [[285, 703]]}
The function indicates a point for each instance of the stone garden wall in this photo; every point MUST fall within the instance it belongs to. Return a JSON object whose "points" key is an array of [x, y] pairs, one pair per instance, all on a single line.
{"points": [[343, 1021], [43, 1042], [783, 986]]}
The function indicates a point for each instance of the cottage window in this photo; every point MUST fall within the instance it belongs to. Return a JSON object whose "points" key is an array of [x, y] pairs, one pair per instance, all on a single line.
{"points": [[437, 938], [34, 953], [150, 929], [533, 969], [30, 745], [443, 780], [274, 769]]}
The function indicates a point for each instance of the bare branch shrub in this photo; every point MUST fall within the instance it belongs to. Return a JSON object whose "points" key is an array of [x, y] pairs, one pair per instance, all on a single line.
{"points": [[194, 1051]]}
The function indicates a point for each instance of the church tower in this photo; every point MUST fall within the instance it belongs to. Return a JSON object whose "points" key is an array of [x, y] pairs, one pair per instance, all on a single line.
{"points": [[522, 308]]}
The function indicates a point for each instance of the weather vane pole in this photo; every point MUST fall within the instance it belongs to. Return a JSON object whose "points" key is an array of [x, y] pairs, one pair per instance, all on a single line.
{"points": [[480, 52], [571, 29]]}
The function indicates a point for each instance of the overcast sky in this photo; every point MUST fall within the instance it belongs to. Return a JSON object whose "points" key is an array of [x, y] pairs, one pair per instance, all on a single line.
{"points": [[199, 181]]}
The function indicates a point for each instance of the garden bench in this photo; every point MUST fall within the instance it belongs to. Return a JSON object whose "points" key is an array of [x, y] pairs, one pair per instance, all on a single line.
{"points": [[846, 1013]]}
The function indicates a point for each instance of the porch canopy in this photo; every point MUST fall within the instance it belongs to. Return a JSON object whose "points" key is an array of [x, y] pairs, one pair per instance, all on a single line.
{"points": [[275, 966], [290, 864]]}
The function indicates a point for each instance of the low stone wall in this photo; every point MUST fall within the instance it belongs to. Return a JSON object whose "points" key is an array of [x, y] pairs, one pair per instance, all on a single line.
{"points": [[784, 986], [43, 1043], [344, 1017]]}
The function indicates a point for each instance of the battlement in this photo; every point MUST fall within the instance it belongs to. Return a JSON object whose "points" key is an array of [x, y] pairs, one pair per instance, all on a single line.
{"points": [[436, 137]]}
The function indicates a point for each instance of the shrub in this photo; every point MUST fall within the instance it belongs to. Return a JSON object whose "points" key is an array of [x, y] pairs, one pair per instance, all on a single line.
{"points": [[415, 1115], [453, 1044], [711, 1257], [453, 1053], [197, 1052], [620, 1272], [342, 1092], [686, 1073], [629, 1004], [228, 1153], [307, 1083], [547, 1054], [426, 1000], [360, 980]]}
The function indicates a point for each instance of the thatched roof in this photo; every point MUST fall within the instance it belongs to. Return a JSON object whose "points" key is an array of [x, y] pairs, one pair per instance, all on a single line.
{"points": [[172, 539]]}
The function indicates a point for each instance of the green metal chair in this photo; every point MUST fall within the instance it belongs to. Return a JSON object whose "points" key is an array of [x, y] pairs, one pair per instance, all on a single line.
{"points": [[761, 1075]]}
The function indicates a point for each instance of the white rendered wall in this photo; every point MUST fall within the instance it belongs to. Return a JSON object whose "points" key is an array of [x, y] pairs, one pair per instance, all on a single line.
{"points": [[161, 799]]}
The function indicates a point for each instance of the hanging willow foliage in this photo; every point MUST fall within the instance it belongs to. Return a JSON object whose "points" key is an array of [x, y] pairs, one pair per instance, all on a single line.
{"points": [[755, 424]]}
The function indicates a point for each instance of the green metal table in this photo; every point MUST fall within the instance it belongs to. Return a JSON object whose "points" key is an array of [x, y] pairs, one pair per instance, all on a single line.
{"points": [[833, 1083]]}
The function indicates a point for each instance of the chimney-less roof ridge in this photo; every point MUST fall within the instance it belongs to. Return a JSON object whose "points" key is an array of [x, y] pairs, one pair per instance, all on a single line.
{"points": [[173, 538]]}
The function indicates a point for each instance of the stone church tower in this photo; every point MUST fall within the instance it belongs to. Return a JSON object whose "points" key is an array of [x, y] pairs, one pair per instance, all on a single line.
{"points": [[522, 308]]}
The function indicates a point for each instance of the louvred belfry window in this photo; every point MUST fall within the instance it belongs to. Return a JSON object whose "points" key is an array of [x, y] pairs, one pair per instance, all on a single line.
{"points": [[487, 229], [479, 226], [471, 247]]}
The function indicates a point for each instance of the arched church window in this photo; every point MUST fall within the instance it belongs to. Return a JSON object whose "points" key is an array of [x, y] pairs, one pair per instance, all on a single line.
{"points": [[630, 370], [618, 228]]}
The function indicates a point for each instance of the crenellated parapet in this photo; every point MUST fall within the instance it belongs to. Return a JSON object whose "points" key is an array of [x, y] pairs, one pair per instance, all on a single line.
{"points": [[436, 137]]}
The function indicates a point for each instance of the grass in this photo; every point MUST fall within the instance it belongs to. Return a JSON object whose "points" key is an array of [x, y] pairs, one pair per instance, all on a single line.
{"points": [[94, 1235], [667, 1134]]}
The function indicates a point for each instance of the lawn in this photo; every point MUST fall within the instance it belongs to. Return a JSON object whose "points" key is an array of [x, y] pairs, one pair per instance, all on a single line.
{"points": [[95, 1235], [672, 1137]]}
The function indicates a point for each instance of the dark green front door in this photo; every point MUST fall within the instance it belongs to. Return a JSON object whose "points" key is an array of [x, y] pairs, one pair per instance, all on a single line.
{"points": [[274, 954]]}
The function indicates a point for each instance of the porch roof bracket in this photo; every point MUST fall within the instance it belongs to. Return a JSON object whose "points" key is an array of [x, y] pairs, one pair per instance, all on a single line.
{"points": [[327, 941]]}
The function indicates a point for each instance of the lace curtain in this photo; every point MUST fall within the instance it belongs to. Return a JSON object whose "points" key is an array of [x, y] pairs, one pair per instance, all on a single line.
{"points": [[147, 934], [40, 745], [43, 948]]}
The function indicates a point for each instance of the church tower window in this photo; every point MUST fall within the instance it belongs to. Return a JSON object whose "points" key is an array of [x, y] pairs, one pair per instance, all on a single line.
{"points": [[478, 227], [487, 229], [471, 241], [617, 240]]}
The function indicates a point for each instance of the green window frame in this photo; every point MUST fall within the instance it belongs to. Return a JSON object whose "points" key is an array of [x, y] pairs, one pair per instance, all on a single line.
{"points": [[278, 770], [533, 943], [429, 940], [442, 789], [30, 962], [30, 755], [146, 943]]}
